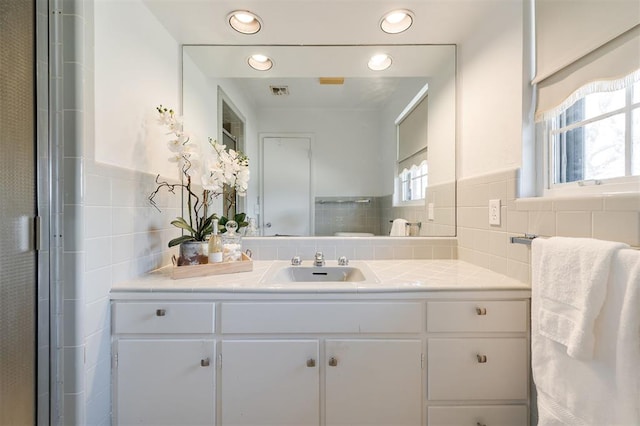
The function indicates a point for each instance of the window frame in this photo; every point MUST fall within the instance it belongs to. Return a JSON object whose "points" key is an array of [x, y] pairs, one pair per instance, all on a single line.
{"points": [[424, 184], [627, 183]]}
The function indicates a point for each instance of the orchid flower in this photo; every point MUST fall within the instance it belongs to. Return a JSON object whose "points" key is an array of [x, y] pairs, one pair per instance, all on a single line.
{"points": [[228, 168]]}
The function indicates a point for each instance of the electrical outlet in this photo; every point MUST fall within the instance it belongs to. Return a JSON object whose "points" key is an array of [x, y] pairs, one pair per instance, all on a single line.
{"points": [[494, 212], [430, 212]]}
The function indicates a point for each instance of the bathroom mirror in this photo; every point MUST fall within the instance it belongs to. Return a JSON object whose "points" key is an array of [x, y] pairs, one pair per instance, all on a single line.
{"points": [[321, 127]]}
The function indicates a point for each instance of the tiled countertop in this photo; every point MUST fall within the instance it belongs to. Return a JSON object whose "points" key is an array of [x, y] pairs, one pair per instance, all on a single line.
{"points": [[394, 276]]}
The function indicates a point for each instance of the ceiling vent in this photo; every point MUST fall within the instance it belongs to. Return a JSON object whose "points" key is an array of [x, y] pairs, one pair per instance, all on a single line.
{"points": [[279, 90], [331, 80]]}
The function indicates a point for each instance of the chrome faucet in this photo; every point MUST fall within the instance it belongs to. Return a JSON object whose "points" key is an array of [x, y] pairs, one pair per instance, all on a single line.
{"points": [[343, 261], [318, 259]]}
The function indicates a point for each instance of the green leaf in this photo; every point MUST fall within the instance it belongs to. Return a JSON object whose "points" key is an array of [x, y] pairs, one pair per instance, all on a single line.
{"points": [[239, 218], [182, 224], [206, 227], [181, 239]]}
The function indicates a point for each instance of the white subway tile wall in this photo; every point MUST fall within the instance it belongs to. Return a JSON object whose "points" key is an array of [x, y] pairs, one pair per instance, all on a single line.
{"points": [[614, 217], [111, 232]]}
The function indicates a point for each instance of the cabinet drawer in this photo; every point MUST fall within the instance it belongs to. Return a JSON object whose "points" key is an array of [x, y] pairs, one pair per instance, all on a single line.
{"points": [[476, 369], [495, 415], [323, 317], [163, 317], [501, 316]]}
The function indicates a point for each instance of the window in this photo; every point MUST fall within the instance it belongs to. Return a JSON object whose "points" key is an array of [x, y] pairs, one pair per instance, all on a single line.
{"points": [[597, 138], [414, 182], [412, 132]]}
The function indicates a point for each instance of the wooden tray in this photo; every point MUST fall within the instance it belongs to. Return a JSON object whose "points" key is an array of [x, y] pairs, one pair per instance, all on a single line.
{"points": [[190, 271]]}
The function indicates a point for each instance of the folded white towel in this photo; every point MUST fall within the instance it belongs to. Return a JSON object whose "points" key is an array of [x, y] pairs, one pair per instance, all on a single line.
{"points": [[571, 276], [604, 390], [626, 275], [398, 228]]}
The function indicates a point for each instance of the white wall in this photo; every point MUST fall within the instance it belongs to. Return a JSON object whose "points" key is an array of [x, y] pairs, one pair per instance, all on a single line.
{"points": [[490, 95], [137, 68], [442, 124], [201, 120], [346, 151], [200, 105], [120, 66]]}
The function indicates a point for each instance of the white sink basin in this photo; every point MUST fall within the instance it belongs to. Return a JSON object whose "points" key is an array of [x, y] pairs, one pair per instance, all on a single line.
{"points": [[282, 273]]}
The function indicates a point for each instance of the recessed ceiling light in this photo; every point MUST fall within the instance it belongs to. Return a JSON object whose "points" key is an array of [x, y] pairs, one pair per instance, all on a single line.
{"points": [[260, 62], [379, 62], [396, 21], [244, 22]]}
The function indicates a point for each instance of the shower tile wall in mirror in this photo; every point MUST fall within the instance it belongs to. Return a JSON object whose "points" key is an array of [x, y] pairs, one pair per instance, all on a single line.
{"points": [[347, 133]]}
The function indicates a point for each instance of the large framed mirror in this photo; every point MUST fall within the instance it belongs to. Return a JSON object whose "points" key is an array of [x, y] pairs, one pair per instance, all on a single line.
{"points": [[335, 148]]}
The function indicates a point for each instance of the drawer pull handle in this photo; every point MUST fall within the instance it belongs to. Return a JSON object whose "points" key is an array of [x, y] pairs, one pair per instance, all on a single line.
{"points": [[205, 362], [311, 362], [481, 311], [481, 358], [480, 424], [161, 312], [333, 362]]}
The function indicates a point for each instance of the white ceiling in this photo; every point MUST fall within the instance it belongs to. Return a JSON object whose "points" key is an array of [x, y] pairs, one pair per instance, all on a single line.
{"points": [[322, 21], [319, 22]]}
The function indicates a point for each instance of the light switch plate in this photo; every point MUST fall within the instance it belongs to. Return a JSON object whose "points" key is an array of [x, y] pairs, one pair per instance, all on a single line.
{"points": [[494, 212], [430, 212]]}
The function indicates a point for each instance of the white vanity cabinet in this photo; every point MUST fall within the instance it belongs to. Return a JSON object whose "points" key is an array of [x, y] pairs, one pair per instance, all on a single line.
{"points": [[478, 352], [401, 359], [163, 363]]}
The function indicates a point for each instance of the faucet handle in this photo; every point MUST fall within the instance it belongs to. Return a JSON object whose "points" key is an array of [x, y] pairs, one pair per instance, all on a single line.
{"points": [[343, 261], [296, 261]]}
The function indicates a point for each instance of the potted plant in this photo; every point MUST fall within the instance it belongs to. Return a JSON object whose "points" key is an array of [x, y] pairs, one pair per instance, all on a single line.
{"points": [[223, 170]]}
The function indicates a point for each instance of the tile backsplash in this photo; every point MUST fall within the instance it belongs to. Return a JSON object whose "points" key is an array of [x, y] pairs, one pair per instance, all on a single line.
{"points": [[374, 215], [614, 217], [354, 248], [347, 214]]}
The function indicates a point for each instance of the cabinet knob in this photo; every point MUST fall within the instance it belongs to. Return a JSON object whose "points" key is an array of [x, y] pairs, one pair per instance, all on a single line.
{"points": [[481, 358], [481, 311], [205, 362], [311, 362], [161, 312], [333, 362]]}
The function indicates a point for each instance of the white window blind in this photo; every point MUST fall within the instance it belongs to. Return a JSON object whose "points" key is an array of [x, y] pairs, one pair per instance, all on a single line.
{"points": [[567, 30], [600, 70], [412, 137]]}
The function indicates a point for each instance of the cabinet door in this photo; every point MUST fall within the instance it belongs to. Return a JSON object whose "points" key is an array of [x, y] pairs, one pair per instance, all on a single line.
{"points": [[373, 382], [165, 382], [270, 382]]}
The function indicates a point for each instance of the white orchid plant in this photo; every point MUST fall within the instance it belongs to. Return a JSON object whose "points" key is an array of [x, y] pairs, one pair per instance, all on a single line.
{"points": [[225, 173]]}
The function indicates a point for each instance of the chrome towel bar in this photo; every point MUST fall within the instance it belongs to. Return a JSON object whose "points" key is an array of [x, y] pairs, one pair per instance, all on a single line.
{"points": [[358, 201], [418, 224], [526, 239]]}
